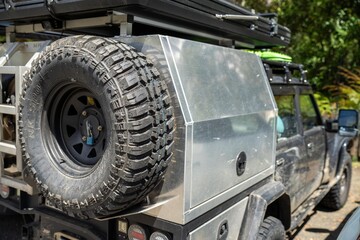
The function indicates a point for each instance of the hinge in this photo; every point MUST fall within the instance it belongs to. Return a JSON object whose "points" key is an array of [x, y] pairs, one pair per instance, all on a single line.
{"points": [[273, 22]]}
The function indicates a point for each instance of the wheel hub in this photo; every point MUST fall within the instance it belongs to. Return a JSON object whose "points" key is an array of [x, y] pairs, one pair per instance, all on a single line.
{"points": [[90, 126], [78, 123]]}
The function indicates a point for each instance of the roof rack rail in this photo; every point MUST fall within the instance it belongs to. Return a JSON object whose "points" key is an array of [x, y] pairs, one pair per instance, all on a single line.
{"points": [[184, 18], [285, 72]]}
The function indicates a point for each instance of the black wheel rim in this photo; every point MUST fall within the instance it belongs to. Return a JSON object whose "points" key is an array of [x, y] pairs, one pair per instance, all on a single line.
{"points": [[77, 121]]}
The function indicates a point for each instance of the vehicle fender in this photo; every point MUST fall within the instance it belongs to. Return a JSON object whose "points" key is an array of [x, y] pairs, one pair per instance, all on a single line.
{"points": [[344, 158], [338, 155], [259, 200]]}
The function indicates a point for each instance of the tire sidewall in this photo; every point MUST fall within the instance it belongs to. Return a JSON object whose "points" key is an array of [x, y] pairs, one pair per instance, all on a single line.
{"points": [[69, 185]]}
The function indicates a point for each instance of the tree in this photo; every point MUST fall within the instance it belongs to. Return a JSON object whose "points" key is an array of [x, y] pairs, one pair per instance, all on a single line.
{"points": [[325, 38], [325, 35], [347, 92]]}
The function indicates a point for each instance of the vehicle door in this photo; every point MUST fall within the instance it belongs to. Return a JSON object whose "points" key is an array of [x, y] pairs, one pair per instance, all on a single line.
{"points": [[314, 136], [291, 166]]}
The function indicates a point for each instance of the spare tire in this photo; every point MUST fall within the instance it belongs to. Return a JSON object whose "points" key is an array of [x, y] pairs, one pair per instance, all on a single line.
{"points": [[96, 126]]}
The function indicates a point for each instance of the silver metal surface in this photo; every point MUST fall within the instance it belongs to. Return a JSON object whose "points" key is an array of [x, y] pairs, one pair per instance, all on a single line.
{"points": [[8, 147], [5, 50], [232, 216], [7, 109], [214, 156], [115, 18], [17, 184], [237, 17], [223, 106], [351, 230]]}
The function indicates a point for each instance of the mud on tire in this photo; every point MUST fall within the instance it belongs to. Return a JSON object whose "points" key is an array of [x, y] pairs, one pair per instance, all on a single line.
{"points": [[96, 125]]}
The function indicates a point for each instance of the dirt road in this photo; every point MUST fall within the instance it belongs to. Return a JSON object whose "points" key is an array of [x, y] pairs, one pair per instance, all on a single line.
{"points": [[326, 225]]}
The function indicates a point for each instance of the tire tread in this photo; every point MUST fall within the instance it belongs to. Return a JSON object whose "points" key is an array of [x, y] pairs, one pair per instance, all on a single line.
{"points": [[332, 199], [271, 226], [138, 98]]}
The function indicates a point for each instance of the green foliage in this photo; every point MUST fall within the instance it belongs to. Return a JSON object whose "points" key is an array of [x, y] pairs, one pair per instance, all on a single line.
{"points": [[325, 38], [325, 34], [261, 6], [347, 92], [327, 109]]}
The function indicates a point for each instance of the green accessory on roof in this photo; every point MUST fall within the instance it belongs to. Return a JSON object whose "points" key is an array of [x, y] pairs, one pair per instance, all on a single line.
{"points": [[273, 56]]}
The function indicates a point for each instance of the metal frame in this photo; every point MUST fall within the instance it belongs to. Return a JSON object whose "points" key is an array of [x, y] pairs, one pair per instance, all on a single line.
{"points": [[198, 16], [7, 147], [287, 70], [13, 148], [115, 18]]}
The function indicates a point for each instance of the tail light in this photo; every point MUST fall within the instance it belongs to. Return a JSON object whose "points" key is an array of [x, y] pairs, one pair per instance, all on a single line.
{"points": [[137, 232], [4, 191], [159, 236]]}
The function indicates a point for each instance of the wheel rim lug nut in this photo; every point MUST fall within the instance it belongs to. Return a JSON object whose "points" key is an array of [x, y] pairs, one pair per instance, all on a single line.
{"points": [[99, 128], [84, 113], [83, 138]]}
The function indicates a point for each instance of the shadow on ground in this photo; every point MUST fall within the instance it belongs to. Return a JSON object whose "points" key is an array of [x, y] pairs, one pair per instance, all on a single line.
{"points": [[325, 224], [333, 234]]}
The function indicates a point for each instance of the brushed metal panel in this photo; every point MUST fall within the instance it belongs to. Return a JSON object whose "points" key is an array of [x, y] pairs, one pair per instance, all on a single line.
{"points": [[223, 106], [233, 216], [219, 82], [231, 110], [217, 143]]}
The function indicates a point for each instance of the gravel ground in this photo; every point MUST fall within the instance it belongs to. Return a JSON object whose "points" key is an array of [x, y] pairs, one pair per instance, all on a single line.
{"points": [[324, 224]]}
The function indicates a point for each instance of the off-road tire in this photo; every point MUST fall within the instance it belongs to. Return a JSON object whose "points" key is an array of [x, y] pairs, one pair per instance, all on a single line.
{"points": [[271, 229], [124, 91], [338, 194]]}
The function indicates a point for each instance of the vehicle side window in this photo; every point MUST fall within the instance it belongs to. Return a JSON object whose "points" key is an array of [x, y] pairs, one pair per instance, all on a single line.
{"points": [[308, 112], [287, 117]]}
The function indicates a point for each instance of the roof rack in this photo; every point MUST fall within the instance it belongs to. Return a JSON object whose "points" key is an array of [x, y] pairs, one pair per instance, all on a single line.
{"points": [[285, 72], [213, 19]]}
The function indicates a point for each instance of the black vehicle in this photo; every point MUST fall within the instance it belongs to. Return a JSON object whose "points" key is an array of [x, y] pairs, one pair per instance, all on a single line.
{"points": [[310, 158]]}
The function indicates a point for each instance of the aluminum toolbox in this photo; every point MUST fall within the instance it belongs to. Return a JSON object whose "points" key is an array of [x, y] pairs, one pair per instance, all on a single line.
{"points": [[194, 15], [224, 111]]}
